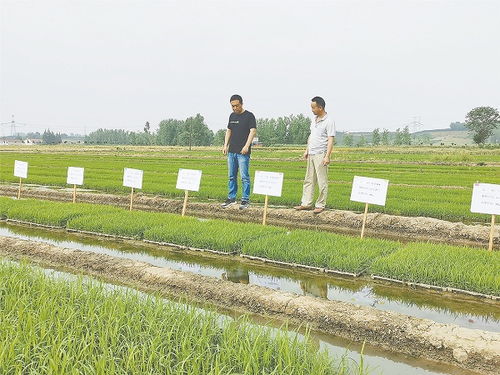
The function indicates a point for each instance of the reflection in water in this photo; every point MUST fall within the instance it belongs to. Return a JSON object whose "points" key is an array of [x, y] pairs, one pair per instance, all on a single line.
{"points": [[314, 289], [238, 275]]}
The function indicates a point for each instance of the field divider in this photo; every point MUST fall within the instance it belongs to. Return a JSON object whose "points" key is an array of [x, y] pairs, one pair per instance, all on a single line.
{"points": [[436, 287], [34, 224], [298, 265], [117, 236], [191, 248]]}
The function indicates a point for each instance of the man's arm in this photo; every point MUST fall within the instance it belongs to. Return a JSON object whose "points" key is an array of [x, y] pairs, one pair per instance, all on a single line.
{"points": [[226, 141], [329, 149], [251, 135], [307, 147]]}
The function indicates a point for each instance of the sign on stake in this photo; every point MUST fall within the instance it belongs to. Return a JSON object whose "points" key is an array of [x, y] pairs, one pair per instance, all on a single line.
{"points": [[21, 171], [369, 190], [75, 177], [188, 179], [486, 200], [132, 178], [268, 184]]}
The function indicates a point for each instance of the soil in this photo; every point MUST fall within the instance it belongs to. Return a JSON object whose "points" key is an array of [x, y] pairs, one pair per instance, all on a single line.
{"points": [[378, 225], [466, 348]]}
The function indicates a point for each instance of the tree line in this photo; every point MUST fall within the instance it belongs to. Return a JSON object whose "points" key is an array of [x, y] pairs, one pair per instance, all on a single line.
{"points": [[481, 122]]}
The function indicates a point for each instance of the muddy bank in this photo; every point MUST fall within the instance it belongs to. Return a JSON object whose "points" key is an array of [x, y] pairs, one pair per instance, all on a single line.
{"points": [[466, 348], [378, 225]]}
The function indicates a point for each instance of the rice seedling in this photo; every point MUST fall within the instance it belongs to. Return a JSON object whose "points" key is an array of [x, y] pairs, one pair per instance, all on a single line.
{"points": [[52, 213], [465, 268], [219, 235], [58, 326], [320, 249]]}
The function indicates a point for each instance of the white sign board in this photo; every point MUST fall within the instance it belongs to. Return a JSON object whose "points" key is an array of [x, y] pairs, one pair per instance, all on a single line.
{"points": [[75, 176], [268, 183], [21, 169], [188, 179], [132, 178], [369, 190], [486, 199]]}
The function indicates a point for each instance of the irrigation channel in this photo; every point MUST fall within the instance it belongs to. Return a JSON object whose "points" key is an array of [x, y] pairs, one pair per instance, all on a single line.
{"points": [[464, 311]]}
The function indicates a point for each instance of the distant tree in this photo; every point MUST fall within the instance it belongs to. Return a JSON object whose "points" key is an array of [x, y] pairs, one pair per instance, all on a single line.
{"points": [[406, 136], [385, 137], [298, 129], [361, 141], [376, 137], [348, 140], [146, 127], [219, 137], [50, 138], [168, 132], [481, 122], [398, 139]]}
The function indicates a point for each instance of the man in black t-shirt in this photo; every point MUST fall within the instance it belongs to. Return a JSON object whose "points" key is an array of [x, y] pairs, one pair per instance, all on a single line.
{"points": [[241, 130]]}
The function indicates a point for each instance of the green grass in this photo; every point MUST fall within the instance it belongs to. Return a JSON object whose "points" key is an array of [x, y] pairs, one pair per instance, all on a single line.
{"points": [[220, 235], [451, 266], [429, 188], [60, 327], [320, 249], [53, 213], [125, 223]]}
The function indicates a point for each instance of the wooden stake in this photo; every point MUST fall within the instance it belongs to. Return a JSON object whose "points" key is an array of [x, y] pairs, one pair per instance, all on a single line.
{"points": [[364, 220], [265, 210], [74, 193], [490, 246], [131, 198], [186, 193], [20, 185]]}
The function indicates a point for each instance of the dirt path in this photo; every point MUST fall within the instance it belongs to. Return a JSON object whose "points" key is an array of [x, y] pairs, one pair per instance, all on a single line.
{"points": [[462, 347], [378, 225]]}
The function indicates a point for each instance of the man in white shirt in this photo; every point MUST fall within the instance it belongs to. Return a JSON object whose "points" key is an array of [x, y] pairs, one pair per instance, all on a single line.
{"points": [[317, 154]]}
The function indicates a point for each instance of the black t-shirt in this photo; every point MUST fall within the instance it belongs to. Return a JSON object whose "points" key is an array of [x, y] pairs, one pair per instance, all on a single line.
{"points": [[240, 125]]}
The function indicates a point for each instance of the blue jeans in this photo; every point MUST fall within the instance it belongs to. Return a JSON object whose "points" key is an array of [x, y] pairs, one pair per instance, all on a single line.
{"points": [[241, 162]]}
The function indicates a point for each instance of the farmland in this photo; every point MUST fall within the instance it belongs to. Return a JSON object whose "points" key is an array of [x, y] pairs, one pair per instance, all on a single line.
{"points": [[431, 182], [134, 334], [410, 262], [148, 333]]}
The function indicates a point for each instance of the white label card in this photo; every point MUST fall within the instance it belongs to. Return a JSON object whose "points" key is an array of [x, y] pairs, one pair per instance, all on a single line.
{"points": [[132, 178], [188, 179], [268, 183], [21, 169], [369, 190], [486, 199], [75, 176]]}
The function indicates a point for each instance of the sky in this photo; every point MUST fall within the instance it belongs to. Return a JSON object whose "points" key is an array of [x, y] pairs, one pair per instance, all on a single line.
{"points": [[76, 66]]}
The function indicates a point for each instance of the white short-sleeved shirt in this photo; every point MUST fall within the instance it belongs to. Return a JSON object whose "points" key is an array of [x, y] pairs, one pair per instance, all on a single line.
{"points": [[320, 131]]}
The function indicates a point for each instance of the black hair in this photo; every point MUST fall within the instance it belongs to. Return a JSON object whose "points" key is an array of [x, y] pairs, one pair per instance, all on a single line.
{"points": [[319, 101], [236, 97]]}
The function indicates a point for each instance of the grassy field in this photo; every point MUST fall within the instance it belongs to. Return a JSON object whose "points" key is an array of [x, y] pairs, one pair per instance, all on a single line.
{"points": [[433, 182], [446, 266], [44, 329]]}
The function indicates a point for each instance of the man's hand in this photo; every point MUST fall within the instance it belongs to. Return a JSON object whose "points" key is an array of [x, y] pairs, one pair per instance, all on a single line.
{"points": [[244, 150], [326, 160], [224, 150], [305, 154]]}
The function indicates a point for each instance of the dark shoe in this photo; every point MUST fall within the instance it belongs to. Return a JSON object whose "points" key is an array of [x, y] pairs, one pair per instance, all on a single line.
{"points": [[318, 210], [303, 208], [244, 205], [228, 202]]}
